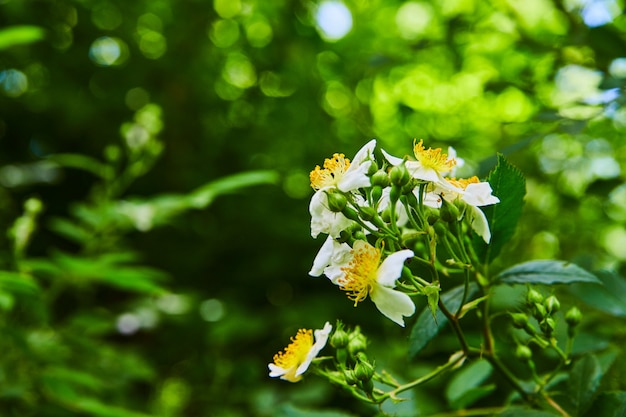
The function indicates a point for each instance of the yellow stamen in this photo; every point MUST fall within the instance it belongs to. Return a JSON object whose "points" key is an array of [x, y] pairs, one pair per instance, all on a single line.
{"points": [[295, 354], [433, 158], [360, 274], [334, 168], [463, 182]]}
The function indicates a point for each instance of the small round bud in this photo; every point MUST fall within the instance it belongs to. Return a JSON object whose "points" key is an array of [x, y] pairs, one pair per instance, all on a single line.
{"points": [[364, 371], [520, 320], [367, 386], [372, 169], [357, 343], [523, 352], [350, 213], [399, 175], [449, 212], [534, 297], [339, 339], [377, 192], [432, 215], [367, 213], [380, 178], [351, 378], [552, 304], [539, 312], [573, 317], [336, 201], [547, 326]]}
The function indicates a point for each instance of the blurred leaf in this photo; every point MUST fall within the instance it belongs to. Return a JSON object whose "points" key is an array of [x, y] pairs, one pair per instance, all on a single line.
{"points": [[465, 387], [509, 186], [20, 35], [18, 283], [584, 381], [608, 297], [70, 230], [203, 196], [83, 162], [609, 404], [94, 407], [426, 327], [546, 272]]}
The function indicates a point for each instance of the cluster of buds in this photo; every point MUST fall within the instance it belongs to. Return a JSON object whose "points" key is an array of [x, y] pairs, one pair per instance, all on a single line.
{"points": [[544, 310], [352, 361]]}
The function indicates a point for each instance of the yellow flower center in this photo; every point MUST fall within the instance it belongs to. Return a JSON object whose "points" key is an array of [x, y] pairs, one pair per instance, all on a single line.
{"points": [[463, 182], [295, 354], [334, 168], [433, 158], [360, 274]]}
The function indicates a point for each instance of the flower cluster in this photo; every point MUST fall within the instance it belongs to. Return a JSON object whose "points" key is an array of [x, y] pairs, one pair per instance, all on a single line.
{"points": [[369, 209]]}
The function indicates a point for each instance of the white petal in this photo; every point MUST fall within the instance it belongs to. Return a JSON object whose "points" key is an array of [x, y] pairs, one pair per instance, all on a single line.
{"points": [[321, 336], [323, 220], [391, 268], [323, 257], [479, 194], [276, 370], [366, 151], [393, 304], [479, 222], [393, 160], [356, 178]]}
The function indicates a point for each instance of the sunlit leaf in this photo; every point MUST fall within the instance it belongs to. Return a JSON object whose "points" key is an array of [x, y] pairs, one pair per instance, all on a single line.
{"points": [[18, 283], [546, 272]]}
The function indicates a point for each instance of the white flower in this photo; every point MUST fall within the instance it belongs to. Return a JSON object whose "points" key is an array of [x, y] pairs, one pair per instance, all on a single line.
{"points": [[402, 217], [430, 164], [291, 363], [339, 172], [323, 220], [365, 275]]}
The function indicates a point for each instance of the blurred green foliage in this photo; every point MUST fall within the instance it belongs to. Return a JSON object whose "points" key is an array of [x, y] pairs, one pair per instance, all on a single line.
{"points": [[126, 290]]}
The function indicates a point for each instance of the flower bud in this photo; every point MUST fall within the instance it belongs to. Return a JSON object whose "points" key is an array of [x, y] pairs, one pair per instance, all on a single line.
{"points": [[33, 205], [399, 175], [533, 297], [449, 212], [380, 178], [432, 215], [367, 213], [350, 213], [523, 352], [339, 339], [547, 326], [372, 169], [357, 343], [552, 304], [367, 386], [520, 320], [377, 192], [336, 201], [364, 371], [573, 317], [351, 378], [539, 312]]}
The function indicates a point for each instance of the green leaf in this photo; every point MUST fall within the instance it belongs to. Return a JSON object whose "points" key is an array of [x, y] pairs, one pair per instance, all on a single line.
{"points": [[608, 297], [20, 35], [465, 387], [584, 381], [609, 404], [18, 283], [546, 272], [94, 407], [426, 327], [509, 186]]}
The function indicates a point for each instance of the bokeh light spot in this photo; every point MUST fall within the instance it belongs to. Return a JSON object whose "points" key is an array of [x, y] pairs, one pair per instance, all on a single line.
{"points": [[333, 19], [224, 33], [227, 8], [136, 98], [239, 71], [13, 82], [259, 33], [413, 19], [212, 310], [107, 51], [106, 16]]}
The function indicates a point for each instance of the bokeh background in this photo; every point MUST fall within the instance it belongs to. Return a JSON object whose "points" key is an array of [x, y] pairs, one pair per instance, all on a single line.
{"points": [[154, 160]]}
